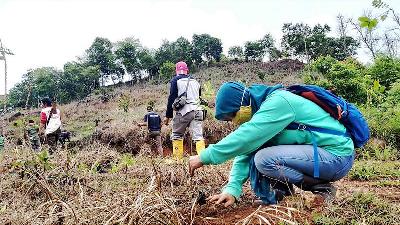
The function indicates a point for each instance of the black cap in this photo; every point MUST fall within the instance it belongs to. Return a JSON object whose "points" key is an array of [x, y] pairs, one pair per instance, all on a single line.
{"points": [[46, 101]]}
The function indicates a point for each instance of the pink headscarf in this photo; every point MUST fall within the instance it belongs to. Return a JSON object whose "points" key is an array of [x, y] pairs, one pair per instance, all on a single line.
{"points": [[181, 68]]}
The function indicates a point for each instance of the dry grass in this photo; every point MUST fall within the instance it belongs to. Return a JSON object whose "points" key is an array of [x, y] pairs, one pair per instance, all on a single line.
{"points": [[83, 187]]}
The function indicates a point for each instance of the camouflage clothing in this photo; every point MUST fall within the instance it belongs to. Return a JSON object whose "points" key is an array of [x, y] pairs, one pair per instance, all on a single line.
{"points": [[1, 143], [32, 133]]}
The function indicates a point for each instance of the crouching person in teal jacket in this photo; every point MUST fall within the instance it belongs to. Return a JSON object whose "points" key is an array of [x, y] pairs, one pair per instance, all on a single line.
{"points": [[273, 156]]}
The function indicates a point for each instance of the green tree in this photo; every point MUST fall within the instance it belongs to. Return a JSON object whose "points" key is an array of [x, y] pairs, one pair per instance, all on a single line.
{"points": [[256, 50], [206, 47], [78, 81], [46, 81], [18, 93], [148, 61], [267, 42], [164, 53], [274, 54], [128, 52], [386, 70], [294, 38], [101, 54], [346, 78], [179, 50], [182, 50], [37, 83], [236, 52], [302, 41]]}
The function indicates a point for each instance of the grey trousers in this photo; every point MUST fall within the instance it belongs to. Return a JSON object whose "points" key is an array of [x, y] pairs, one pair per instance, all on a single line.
{"points": [[35, 144], [155, 140], [193, 120]]}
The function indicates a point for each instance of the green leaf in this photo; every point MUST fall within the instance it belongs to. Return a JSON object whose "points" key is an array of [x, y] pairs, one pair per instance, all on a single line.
{"points": [[367, 22], [43, 156], [372, 24], [364, 24], [377, 3], [363, 19], [127, 160]]}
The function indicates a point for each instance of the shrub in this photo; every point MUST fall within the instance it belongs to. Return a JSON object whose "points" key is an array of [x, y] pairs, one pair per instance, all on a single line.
{"points": [[384, 123], [323, 64], [167, 70], [261, 75], [374, 170], [393, 95], [361, 208], [386, 69], [124, 102], [346, 78], [378, 150]]}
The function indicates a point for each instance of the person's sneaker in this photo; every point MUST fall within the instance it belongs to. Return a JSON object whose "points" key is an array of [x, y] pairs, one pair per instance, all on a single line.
{"points": [[279, 195], [287, 189], [327, 191]]}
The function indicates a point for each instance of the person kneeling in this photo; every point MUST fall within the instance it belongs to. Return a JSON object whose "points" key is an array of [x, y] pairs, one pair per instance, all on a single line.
{"points": [[274, 157]]}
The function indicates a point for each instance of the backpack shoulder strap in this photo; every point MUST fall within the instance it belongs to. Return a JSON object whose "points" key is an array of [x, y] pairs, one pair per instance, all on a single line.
{"points": [[187, 85], [311, 129], [50, 115]]}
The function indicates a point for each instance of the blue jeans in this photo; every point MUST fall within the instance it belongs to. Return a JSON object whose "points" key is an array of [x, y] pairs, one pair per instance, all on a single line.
{"points": [[289, 163]]}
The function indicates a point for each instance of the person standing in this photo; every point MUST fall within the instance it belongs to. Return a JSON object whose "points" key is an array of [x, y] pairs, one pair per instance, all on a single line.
{"points": [[153, 122], [184, 98], [2, 140], [31, 133], [50, 123]]}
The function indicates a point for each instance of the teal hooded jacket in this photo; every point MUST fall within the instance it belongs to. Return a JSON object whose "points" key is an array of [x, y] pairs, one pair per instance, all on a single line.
{"points": [[273, 110]]}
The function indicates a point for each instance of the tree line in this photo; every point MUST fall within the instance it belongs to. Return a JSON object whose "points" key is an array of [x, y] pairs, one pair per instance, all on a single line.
{"points": [[105, 62]]}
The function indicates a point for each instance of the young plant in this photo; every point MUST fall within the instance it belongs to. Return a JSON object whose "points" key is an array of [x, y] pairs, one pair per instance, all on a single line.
{"points": [[124, 103], [125, 162], [43, 160]]}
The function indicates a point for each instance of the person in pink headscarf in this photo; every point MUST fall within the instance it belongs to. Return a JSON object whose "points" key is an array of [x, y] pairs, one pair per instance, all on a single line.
{"points": [[188, 114]]}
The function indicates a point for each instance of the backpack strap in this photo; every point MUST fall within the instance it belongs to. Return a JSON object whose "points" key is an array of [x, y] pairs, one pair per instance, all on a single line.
{"points": [[311, 129], [187, 86], [50, 115]]}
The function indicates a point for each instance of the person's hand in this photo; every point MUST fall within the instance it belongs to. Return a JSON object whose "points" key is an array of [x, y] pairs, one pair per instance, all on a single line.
{"points": [[166, 121], [225, 198], [194, 163]]}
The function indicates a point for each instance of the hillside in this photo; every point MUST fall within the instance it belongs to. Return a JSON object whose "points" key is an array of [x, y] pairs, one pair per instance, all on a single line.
{"points": [[107, 174]]}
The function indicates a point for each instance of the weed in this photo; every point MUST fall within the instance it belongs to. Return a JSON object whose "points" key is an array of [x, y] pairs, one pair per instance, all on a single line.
{"points": [[82, 167], [124, 102], [43, 160], [126, 161], [361, 208], [373, 170], [261, 75], [377, 150], [388, 183]]}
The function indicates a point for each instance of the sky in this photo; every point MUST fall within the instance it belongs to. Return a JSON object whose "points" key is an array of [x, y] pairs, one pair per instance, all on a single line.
{"points": [[53, 32]]}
